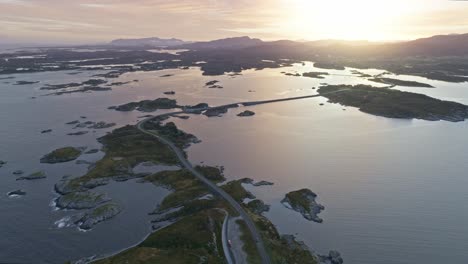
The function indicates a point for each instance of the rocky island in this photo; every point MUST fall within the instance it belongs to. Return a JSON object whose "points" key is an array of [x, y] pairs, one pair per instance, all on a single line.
{"points": [[246, 113], [303, 201], [81, 200], [213, 84], [62, 155], [16, 193], [397, 82], [93, 217], [33, 176], [147, 105], [316, 75], [394, 103]]}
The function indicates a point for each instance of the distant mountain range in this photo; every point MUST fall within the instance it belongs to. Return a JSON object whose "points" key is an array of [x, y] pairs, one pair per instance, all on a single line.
{"points": [[442, 45], [227, 43], [150, 42]]}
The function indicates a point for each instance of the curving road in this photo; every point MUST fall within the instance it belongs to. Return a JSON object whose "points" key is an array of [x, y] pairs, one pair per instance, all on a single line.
{"points": [[215, 189]]}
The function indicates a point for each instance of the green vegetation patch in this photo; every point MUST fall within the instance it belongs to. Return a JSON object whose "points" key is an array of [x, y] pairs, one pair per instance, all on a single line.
{"points": [[237, 191], [394, 103], [184, 185], [214, 174], [170, 132], [280, 249], [193, 239], [125, 148]]}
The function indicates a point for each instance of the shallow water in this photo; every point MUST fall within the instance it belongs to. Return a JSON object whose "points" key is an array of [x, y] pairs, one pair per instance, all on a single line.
{"points": [[394, 190]]}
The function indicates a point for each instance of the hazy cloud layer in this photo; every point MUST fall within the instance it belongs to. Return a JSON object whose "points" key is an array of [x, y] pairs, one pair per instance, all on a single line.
{"points": [[97, 21]]}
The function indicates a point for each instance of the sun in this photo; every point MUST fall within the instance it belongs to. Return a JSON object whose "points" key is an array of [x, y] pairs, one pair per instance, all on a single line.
{"points": [[345, 19]]}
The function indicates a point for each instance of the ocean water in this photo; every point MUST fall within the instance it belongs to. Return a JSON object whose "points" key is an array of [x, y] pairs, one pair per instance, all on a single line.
{"points": [[394, 191]]}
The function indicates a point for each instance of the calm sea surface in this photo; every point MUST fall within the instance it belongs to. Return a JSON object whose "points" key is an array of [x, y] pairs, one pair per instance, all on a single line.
{"points": [[394, 190]]}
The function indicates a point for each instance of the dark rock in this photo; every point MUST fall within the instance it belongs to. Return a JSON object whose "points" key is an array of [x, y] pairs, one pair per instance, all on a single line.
{"points": [[25, 82], [185, 117], [83, 125], [94, 82], [18, 172], [34, 176], [92, 151], [78, 133], [16, 193], [292, 74], [246, 113], [102, 125], [73, 122], [333, 257], [262, 183], [211, 83]]}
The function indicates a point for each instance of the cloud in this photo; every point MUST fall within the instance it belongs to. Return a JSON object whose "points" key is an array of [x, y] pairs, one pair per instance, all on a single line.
{"points": [[102, 20], [14, 2], [95, 5]]}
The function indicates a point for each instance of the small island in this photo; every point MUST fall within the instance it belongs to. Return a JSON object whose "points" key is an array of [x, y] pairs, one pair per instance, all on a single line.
{"points": [[25, 82], [246, 113], [62, 155], [394, 103], [33, 176], [316, 75], [16, 193], [397, 82], [147, 105], [303, 201]]}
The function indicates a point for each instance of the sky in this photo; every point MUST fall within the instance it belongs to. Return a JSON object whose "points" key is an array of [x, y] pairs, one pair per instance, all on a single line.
{"points": [[86, 21]]}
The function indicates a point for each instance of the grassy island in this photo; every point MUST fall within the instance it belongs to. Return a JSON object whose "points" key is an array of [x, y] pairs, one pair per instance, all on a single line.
{"points": [[394, 103], [188, 222], [62, 155], [303, 201], [148, 105]]}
